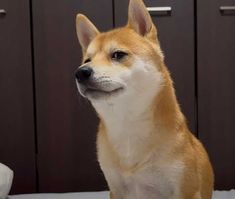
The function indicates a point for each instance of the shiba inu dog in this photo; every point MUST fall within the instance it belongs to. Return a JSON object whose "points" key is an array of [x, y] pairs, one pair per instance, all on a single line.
{"points": [[144, 146]]}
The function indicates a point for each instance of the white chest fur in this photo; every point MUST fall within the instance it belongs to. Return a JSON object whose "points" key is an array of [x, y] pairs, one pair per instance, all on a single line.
{"points": [[159, 179], [129, 139]]}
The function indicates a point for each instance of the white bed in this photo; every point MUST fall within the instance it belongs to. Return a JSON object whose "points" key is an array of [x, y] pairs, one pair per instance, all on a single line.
{"points": [[103, 195]]}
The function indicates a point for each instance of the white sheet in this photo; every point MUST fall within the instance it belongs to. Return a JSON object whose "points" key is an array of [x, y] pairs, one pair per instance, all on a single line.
{"points": [[103, 195], [81, 195], [224, 194]]}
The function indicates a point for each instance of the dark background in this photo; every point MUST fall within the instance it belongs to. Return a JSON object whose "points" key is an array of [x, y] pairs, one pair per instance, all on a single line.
{"points": [[47, 131]]}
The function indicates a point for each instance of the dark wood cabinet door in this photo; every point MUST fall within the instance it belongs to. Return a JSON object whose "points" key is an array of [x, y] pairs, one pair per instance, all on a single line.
{"points": [[17, 149], [216, 69], [66, 123], [176, 35]]}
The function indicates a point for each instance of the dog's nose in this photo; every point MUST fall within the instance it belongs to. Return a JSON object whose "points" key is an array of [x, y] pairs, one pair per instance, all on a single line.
{"points": [[84, 73]]}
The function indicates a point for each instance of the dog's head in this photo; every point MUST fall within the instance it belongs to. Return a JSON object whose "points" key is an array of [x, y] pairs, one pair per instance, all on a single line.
{"points": [[122, 64]]}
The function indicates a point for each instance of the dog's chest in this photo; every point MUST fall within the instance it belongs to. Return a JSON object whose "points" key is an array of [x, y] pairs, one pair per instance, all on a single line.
{"points": [[154, 182], [130, 164], [147, 185]]}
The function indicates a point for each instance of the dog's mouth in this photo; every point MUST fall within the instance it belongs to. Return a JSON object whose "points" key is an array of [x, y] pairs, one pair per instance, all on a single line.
{"points": [[98, 92]]}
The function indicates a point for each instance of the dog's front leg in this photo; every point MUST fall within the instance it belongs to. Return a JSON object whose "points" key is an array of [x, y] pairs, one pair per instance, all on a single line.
{"points": [[111, 195]]}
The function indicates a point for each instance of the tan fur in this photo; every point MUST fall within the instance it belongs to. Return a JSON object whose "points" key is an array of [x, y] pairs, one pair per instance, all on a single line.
{"points": [[149, 152]]}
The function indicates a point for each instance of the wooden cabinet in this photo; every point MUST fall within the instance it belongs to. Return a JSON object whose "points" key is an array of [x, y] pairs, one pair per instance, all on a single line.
{"points": [[216, 96], [176, 35], [48, 131], [17, 147], [66, 122]]}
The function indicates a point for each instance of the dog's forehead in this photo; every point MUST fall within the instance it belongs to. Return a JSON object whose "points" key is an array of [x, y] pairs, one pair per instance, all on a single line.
{"points": [[122, 38]]}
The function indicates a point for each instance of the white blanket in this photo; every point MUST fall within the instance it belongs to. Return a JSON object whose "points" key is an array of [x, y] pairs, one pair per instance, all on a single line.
{"points": [[6, 176], [103, 195]]}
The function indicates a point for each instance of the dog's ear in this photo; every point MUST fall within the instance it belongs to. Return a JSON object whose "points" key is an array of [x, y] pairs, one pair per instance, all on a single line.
{"points": [[140, 20], [86, 31]]}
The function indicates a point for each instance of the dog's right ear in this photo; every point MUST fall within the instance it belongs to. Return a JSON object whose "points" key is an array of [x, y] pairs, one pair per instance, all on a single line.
{"points": [[86, 31]]}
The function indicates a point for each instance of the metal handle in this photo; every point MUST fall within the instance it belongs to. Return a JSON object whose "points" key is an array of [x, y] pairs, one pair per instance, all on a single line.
{"points": [[3, 12], [159, 10], [227, 10]]}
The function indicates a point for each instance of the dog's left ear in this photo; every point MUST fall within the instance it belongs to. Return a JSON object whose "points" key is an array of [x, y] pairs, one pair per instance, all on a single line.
{"points": [[140, 20]]}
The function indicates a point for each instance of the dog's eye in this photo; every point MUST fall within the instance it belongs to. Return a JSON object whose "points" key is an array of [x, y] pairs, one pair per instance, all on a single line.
{"points": [[87, 60], [118, 55]]}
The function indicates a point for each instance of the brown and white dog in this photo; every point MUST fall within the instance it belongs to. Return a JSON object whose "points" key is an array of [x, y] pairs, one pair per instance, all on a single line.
{"points": [[145, 148]]}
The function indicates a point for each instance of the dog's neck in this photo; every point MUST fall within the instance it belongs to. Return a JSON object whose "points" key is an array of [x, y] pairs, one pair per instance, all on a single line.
{"points": [[129, 126]]}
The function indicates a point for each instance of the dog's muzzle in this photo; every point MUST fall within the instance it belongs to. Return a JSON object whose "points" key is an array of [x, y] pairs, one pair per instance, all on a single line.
{"points": [[95, 87]]}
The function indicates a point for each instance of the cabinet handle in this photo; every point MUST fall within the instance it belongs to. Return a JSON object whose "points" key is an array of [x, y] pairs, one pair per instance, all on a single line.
{"points": [[161, 11], [3, 12], [227, 10]]}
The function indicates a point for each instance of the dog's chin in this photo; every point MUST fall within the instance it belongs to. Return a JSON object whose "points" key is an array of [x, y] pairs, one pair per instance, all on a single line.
{"points": [[99, 94]]}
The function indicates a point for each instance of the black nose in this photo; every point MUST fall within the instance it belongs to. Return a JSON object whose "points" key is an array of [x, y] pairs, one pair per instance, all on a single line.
{"points": [[84, 73]]}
